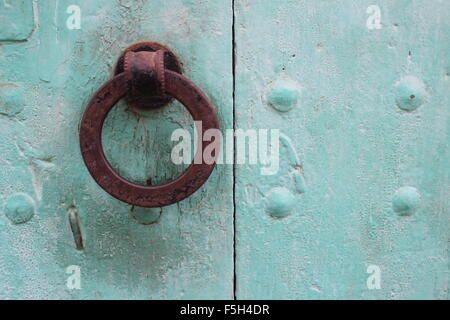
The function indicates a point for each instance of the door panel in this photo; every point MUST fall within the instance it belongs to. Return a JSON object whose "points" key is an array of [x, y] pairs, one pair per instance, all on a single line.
{"points": [[357, 209], [359, 91], [47, 78]]}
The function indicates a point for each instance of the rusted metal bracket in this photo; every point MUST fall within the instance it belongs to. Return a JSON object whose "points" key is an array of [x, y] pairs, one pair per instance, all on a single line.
{"points": [[145, 91], [146, 73]]}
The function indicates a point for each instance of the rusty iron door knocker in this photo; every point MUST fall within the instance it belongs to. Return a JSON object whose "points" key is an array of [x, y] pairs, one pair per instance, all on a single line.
{"points": [[147, 73]]}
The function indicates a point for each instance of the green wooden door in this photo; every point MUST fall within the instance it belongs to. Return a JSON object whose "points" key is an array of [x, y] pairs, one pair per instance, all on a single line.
{"points": [[360, 90], [49, 68], [355, 207]]}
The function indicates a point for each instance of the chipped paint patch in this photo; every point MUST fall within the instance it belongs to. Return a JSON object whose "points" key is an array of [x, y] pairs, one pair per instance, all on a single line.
{"points": [[16, 20]]}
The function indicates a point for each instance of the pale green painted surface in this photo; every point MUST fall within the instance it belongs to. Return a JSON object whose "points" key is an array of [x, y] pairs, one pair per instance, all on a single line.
{"points": [[46, 83], [356, 149], [364, 172], [16, 20]]}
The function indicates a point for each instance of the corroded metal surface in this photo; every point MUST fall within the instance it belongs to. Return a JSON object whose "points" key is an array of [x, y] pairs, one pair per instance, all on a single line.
{"points": [[148, 98], [145, 69]]}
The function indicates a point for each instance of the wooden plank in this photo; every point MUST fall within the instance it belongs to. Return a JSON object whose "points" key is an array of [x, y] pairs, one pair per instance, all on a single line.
{"points": [[46, 83], [349, 81]]}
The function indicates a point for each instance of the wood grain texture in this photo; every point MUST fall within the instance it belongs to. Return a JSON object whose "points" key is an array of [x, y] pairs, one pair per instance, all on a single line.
{"points": [[46, 83], [356, 149]]}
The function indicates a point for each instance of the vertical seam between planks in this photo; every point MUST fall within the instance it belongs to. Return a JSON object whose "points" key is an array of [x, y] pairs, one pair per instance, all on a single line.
{"points": [[233, 59]]}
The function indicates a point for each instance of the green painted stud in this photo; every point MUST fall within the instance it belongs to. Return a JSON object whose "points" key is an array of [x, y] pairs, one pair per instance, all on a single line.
{"points": [[283, 94], [146, 215], [280, 202], [410, 93], [19, 208], [406, 200]]}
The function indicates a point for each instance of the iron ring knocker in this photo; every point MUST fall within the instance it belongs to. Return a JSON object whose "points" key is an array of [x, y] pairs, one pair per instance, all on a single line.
{"points": [[145, 68]]}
